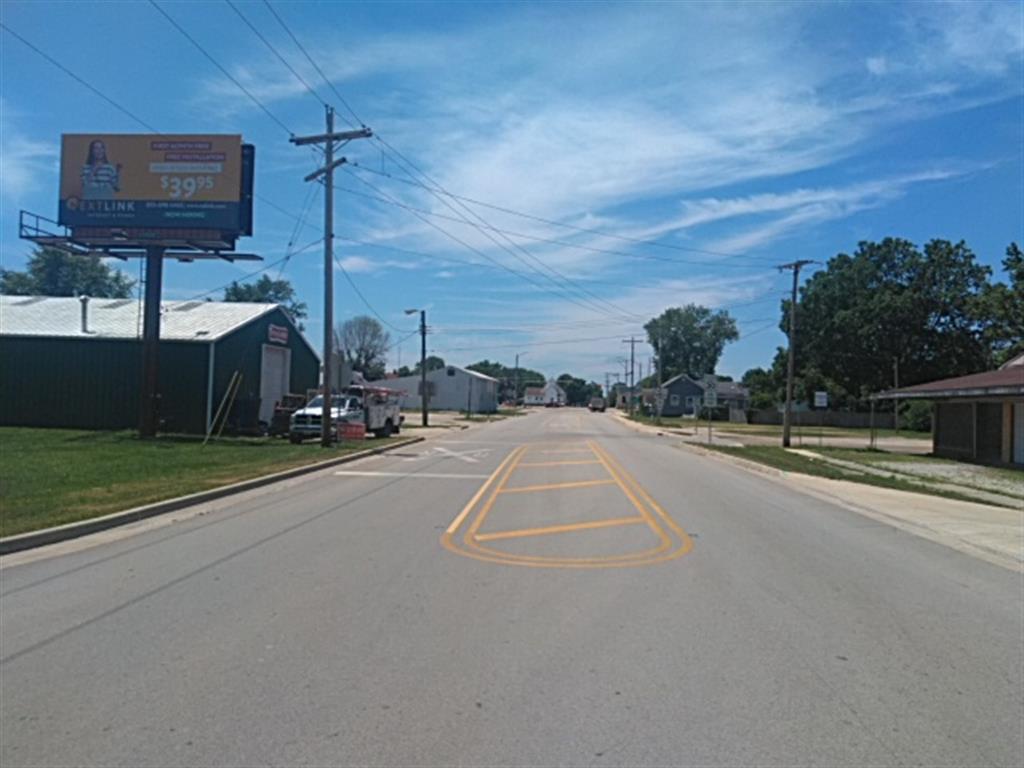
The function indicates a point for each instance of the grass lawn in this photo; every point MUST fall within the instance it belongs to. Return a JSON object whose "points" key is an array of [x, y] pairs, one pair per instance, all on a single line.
{"points": [[787, 461], [811, 431], [54, 476]]}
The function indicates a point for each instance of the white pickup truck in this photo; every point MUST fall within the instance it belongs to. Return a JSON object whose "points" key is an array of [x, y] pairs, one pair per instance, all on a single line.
{"points": [[375, 407]]}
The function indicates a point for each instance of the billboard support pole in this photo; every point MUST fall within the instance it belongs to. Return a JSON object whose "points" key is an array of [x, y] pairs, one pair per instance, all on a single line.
{"points": [[150, 396], [327, 172]]}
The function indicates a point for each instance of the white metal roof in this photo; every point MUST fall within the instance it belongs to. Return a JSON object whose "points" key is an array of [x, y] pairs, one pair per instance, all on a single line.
{"points": [[60, 316]]}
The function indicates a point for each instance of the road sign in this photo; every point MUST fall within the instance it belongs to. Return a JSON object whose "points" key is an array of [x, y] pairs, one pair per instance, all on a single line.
{"points": [[710, 382], [821, 399]]}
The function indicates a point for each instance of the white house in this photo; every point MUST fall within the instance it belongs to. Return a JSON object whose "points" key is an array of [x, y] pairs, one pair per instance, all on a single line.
{"points": [[450, 389], [549, 394]]}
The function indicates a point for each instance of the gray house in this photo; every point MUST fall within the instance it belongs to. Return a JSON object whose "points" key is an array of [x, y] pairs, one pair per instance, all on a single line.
{"points": [[682, 394], [450, 389]]}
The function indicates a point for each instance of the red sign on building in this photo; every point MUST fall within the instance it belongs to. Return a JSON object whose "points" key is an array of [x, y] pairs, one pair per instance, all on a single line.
{"points": [[278, 333]]}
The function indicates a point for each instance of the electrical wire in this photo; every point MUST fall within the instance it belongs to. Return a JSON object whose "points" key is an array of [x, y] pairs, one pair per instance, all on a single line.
{"points": [[480, 253], [554, 223], [219, 66], [276, 53], [73, 76], [486, 231], [348, 107], [537, 238], [365, 301], [562, 291], [266, 267], [315, 66]]}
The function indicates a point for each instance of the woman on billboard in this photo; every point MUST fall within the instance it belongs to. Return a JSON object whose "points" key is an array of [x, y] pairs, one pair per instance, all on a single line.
{"points": [[100, 178]]}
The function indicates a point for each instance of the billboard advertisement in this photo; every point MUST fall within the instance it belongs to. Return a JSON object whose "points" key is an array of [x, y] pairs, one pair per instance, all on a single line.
{"points": [[153, 180]]}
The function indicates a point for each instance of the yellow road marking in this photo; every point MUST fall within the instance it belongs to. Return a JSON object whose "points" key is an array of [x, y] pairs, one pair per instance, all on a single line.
{"points": [[558, 452], [478, 521], [476, 497], [668, 548], [568, 527], [687, 541], [630, 495], [554, 486], [570, 462]]}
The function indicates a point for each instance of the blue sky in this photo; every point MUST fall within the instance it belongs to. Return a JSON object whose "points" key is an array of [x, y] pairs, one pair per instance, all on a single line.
{"points": [[760, 133]]}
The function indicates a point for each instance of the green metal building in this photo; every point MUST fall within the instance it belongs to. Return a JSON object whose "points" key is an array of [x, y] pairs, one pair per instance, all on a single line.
{"points": [[77, 363]]}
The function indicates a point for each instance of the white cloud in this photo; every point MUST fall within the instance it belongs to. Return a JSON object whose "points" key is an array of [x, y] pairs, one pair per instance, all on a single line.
{"points": [[877, 65], [357, 264]]}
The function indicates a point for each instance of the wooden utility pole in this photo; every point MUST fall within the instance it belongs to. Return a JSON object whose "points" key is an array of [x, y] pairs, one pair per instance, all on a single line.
{"points": [[328, 139], [424, 390], [632, 371], [787, 419], [149, 412]]}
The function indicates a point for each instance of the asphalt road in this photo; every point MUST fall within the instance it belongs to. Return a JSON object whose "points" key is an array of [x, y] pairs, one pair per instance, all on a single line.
{"points": [[547, 590]]}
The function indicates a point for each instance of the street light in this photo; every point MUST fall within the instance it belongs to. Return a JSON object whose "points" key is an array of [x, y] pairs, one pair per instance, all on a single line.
{"points": [[424, 394]]}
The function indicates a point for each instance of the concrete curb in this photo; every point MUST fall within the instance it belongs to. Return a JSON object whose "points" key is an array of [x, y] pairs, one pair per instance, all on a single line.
{"points": [[33, 539]]}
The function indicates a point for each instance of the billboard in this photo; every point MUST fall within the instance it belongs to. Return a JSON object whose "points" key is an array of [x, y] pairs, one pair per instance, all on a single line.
{"points": [[155, 180]]}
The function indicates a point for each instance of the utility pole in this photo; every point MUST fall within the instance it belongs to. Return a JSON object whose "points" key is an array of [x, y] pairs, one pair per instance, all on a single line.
{"points": [[328, 139], [515, 392], [424, 391], [787, 419], [896, 400], [632, 370]]}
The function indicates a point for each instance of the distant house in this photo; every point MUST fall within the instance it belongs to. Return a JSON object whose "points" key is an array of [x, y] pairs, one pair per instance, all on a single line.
{"points": [[77, 363], [553, 393], [683, 394], [549, 394], [977, 418], [449, 389], [533, 396]]}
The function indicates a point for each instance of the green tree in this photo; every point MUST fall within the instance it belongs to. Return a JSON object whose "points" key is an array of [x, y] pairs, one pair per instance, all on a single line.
{"points": [[690, 339], [576, 390], [763, 386], [268, 291], [890, 303], [364, 342], [506, 377], [52, 272], [433, 362], [1002, 304]]}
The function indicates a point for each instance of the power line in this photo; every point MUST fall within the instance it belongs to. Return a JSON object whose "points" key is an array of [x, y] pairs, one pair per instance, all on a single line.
{"points": [[264, 268], [365, 301], [483, 230], [276, 53], [315, 65], [537, 238], [572, 284], [554, 223], [73, 76], [218, 65], [480, 253]]}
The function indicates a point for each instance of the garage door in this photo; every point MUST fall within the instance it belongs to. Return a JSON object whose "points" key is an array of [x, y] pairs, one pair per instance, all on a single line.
{"points": [[275, 371]]}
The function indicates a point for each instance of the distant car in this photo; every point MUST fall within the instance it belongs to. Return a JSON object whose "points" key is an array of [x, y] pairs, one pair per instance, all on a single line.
{"points": [[597, 404]]}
